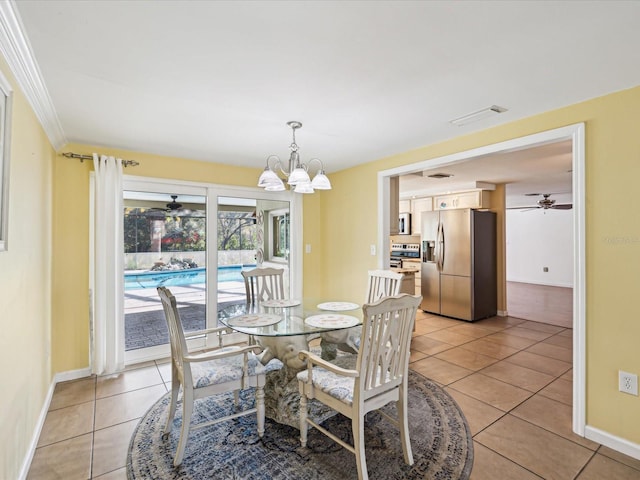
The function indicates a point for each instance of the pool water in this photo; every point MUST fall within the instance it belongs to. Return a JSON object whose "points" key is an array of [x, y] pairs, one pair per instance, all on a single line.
{"points": [[170, 278]]}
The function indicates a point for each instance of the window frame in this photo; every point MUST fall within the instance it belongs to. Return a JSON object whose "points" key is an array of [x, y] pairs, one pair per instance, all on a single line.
{"points": [[274, 235]]}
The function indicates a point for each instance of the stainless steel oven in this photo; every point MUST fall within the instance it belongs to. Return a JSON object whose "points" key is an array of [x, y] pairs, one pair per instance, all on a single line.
{"points": [[395, 262], [403, 251]]}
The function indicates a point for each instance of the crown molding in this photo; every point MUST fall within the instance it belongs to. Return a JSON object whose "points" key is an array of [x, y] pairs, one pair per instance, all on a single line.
{"points": [[16, 49]]}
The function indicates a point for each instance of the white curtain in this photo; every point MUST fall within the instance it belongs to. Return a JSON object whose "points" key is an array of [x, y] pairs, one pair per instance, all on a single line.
{"points": [[108, 273]]}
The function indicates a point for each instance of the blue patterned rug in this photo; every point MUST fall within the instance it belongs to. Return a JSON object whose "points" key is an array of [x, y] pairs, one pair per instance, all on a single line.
{"points": [[440, 439]]}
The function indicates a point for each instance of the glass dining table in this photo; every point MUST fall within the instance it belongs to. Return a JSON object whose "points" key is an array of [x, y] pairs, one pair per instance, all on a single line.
{"points": [[285, 327]]}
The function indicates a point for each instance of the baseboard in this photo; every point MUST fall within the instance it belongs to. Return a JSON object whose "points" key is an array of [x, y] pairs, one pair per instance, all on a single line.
{"points": [[59, 377], [616, 443], [26, 464], [72, 375], [502, 313]]}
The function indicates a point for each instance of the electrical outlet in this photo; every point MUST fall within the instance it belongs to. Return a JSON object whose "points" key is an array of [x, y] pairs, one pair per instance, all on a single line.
{"points": [[545, 269], [628, 383]]}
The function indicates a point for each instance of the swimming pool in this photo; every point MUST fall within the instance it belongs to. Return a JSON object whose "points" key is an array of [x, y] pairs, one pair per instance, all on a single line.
{"points": [[171, 278]]}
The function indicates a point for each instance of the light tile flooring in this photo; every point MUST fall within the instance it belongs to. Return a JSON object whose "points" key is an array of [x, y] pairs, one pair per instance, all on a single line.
{"points": [[511, 377]]}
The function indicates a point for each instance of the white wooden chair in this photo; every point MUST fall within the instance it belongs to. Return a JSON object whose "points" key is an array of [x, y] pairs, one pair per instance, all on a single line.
{"points": [[263, 283], [226, 369], [380, 376], [383, 283]]}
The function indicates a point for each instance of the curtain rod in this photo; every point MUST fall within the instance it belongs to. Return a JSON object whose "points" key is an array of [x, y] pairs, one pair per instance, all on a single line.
{"points": [[82, 158]]}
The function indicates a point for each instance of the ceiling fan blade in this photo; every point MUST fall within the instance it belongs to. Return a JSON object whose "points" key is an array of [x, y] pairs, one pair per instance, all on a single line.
{"points": [[563, 206], [522, 209]]}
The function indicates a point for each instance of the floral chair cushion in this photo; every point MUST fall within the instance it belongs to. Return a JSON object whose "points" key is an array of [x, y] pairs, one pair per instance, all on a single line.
{"points": [[338, 386], [224, 369]]}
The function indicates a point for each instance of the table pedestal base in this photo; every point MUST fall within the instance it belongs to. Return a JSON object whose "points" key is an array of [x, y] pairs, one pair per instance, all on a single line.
{"points": [[282, 399]]}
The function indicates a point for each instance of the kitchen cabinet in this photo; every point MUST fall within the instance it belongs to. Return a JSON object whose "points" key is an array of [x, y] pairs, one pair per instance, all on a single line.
{"points": [[415, 266], [418, 206], [473, 199], [408, 283], [404, 206]]}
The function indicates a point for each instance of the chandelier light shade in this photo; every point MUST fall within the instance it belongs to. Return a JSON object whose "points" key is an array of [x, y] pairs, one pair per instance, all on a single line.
{"points": [[296, 173]]}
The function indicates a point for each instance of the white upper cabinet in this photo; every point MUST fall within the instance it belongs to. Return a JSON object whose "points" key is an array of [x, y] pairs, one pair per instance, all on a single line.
{"points": [[418, 206], [474, 199]]}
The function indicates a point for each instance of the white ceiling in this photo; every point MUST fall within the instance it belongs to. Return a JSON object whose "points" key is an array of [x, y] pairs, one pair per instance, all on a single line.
{"points": [[218, 80], [541, 169]]}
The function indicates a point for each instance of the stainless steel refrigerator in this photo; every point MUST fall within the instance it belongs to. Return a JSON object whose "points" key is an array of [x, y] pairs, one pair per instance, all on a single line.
{"points": [[459, 263]]}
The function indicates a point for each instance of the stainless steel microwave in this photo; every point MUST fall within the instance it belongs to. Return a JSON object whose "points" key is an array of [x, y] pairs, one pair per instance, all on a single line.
{"points": [[404, 224]]}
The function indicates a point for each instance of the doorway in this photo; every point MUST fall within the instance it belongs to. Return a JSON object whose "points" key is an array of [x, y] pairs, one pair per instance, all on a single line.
{"points": [[176, 231], [539, 264], [572, 133]]}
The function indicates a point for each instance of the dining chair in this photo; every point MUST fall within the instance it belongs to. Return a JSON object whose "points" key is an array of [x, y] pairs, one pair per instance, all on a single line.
{"points": [[263, 283], [224, 369], [380, 376], [383, 283]]}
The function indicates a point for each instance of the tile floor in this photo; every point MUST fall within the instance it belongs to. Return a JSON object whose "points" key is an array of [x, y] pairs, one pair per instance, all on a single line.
{"points": [[511, 377]]}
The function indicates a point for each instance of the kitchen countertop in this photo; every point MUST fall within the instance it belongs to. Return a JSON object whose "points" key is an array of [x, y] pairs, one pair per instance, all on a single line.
{"points": [[403, 270]]}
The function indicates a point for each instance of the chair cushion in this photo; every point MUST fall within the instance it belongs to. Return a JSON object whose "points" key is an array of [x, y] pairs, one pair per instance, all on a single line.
{"points": [[272, 365], [224, 370], [338, 386]]}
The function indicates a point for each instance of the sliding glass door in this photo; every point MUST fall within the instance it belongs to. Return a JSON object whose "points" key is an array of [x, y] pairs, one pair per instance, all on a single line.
{"points": [[196, 240], [165, 243]]}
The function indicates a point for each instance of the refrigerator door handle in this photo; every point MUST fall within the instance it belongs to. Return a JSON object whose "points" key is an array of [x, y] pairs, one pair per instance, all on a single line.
{"points": [[439, 247], [436, 253], [441, 241]]}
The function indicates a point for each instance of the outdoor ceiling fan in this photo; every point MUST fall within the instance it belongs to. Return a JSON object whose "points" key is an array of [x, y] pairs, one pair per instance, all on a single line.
{"points": [[176, 209], [171, 206], [546, 203]]}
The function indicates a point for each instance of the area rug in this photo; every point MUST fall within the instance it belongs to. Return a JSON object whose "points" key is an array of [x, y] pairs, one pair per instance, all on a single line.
{"points": [[440, 439]]}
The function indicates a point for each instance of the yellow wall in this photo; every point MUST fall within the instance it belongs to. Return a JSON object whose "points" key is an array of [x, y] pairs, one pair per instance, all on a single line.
{"points": [[25, 286]]}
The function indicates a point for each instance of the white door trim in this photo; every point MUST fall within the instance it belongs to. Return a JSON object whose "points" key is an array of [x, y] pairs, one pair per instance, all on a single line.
{"points": [[575, 133]]}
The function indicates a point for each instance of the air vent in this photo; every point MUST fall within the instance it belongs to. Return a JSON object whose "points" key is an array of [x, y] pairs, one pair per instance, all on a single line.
{"points": [[479, 115], [440, 175]]}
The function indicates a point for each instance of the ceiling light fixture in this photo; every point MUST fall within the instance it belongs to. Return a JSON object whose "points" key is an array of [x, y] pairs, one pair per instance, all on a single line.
{"points": [[296, 173], [479, 115]]}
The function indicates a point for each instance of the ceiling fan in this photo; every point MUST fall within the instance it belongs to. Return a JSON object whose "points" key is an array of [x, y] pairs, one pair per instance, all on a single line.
{"points": [[547, 203], [171, 206]]}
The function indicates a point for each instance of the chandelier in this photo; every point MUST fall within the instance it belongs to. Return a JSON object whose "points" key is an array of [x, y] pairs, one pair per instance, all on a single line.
{"points": [[297, 173]]}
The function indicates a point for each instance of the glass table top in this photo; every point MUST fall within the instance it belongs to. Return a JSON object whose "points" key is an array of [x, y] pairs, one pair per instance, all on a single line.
{"points": [[291, 317]]}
